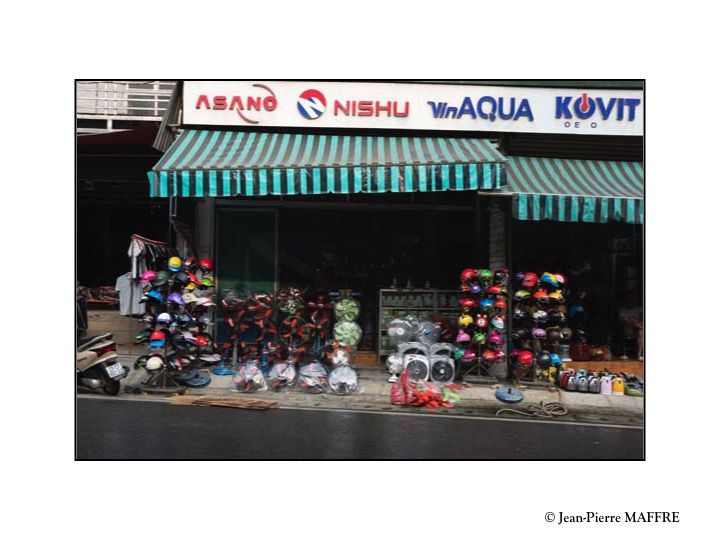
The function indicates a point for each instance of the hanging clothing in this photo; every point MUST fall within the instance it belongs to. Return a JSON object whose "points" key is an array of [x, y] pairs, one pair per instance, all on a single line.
{"points": [[131, 292], [136, 252]]}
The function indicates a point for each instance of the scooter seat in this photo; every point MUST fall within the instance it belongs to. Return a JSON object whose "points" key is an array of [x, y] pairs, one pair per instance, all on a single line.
{"points": [[85, 343]]}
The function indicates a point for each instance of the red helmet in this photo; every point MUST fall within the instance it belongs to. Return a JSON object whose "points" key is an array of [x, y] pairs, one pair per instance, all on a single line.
{"points": [[501, 303], [482, 322], [189, 263], [468, 303], [525, 357], [201, 341], [206, 264], [491, 356], [529, 280], [468, 274], [158, 335], [541, 295]]}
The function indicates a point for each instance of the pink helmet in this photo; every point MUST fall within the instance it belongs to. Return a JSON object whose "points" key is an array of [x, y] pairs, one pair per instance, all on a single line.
{"points": [[462, 336], [469, 355], [148, 276], [495, 338]]}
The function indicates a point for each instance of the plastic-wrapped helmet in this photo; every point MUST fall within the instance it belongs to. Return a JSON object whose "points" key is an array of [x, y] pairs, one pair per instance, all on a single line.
{"points": [[495, 338], [206, 265], [543, 360], [161, 278], [475, 288], [485, 274], [540, 316], [465, 320], [522, 295], [148, 276], [282, 375], [539, 334], [580, 334], [467, 275], [566, 334], [174, 264], [394, 363], [529, 280], [165, 318], [482, 321], [343, 380], [462, 336], [520, 334], [176, 298], [154, 363]]}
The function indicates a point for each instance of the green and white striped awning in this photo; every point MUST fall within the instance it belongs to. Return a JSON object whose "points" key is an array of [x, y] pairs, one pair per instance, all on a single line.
{"points": [[576, 190], [228, 163]]}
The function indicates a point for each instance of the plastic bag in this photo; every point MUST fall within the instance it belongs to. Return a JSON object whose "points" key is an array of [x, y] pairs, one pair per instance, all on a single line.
{"points": [[282, 376], [249, 378], [343, 380], [313, 378]]}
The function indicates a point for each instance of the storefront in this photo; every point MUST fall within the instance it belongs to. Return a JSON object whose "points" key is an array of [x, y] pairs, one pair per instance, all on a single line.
{"points": [[390, 189]]}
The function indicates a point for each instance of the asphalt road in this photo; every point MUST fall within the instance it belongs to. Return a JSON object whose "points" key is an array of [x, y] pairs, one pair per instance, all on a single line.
{"points": [[121, 429]]}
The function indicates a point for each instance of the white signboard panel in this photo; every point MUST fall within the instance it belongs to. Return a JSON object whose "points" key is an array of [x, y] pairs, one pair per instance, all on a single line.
{"points": [[412, 106]]}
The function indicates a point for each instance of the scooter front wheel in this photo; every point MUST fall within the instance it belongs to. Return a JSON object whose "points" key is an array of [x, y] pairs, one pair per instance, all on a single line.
{"points": [[112, 387]]}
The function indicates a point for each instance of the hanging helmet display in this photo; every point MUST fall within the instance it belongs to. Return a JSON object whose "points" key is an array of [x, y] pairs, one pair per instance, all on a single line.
{"points": [[494, 289], [555, 359], [206, 265], [518, 277], [182, 279], [556, 317], [490, 356], [157, 339], [468, 303], [468, 275], [561, 280], [575, 310], [500, 277], [190, 263], [154, 297], [554, 334], [174, 362], [207, 282], [529, 280], [201, 341], [468, 355], [519, 314], [174, 264]]}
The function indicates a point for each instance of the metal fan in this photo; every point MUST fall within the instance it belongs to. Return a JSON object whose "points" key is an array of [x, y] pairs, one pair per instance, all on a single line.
{"points": [[428, 333], [347, 333], [442, 368], [417, 366], [400, 331]]}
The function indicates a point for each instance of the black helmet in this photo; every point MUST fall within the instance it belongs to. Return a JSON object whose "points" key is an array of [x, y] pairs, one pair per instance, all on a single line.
{"points": [[556, 317], [141, 361], [519, 314], [543, 360], [554, 334], [184, 320], [520, 334], [500, 277], [181, 278]]}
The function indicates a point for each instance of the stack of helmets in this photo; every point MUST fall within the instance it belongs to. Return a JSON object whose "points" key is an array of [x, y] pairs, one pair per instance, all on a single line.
{"points": [[482, 322], [539, 322]]}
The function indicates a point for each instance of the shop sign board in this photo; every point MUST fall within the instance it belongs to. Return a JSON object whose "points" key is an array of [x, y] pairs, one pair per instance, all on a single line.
{"points": [[317, 104]]}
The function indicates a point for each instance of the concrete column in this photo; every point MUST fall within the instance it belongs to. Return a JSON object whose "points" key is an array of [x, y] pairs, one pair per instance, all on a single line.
{"points": [[498, 259], [205, 227]]}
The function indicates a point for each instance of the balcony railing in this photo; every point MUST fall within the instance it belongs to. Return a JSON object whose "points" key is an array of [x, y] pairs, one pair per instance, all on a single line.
{"points": [[122, 100]]}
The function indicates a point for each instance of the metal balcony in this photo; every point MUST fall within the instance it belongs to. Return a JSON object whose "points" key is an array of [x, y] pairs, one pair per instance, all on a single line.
{"points": [[113, 105]]}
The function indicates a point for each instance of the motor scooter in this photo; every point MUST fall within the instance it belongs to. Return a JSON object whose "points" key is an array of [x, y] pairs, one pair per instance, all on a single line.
{"points": [[97, 364]]}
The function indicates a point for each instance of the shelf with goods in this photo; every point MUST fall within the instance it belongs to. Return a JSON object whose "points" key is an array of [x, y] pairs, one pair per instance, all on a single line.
{"points": [[393, 303]]}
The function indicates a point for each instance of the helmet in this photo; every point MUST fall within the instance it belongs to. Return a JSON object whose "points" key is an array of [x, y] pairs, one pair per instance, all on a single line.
{"points": [[540, 316], [555, 359], [148, 276], [204, 302], [518, 277], [521, 295], [206, 265], [580, 334], [575, 310], [189, 298], [520, 334], [154, 363], [161, 278], [549, 278], [490, 356], [465, 320], [560, 279], [556, 317], [543, 360], [157, 339], [175, 298], [529, 280], [554, 334], [207, 282], [468, 274], [174, 263], [201, 341], [486, 304], [462, 336], [153, 296], [468, 303], [500, 303], [479, 338], [174, 362], [205, 320], [181, 278], [183, 319], [494, 289], [189, 263], [541, 296], [475, 288], [193, 278], [394, 363], [520, 314], [539, 333], [495, 338], [468, 355], [165, 318], [500, 276], [566, 333], [498, 322], [482, 321], [525, 357], [556, 296], [485, 274]]}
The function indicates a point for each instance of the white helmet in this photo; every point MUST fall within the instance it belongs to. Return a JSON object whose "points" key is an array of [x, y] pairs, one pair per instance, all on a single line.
{"points": [[154, 363]]}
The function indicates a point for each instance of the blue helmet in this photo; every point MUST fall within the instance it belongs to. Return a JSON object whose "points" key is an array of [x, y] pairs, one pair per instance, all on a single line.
{"points": [[555, 359], [486, 303]]}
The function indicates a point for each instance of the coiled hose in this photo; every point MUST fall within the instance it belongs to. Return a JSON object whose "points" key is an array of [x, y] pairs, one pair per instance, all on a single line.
{"points": [[544, 410]]}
